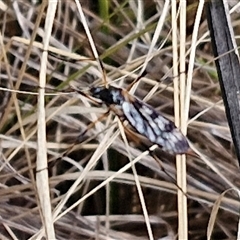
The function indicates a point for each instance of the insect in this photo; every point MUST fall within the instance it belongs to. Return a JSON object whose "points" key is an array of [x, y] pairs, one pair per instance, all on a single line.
{"points": [[143, 118]]}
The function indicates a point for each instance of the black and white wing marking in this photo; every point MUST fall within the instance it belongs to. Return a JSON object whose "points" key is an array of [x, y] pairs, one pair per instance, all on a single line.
{"points": [[156, 128], [143, 118]]}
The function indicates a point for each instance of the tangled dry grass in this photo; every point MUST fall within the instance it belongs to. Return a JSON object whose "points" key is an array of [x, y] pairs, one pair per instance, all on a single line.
{"points": [[89, 197]]}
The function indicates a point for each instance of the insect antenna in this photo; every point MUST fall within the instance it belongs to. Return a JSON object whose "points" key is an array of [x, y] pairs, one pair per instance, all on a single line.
{"points": [[104, 73]]}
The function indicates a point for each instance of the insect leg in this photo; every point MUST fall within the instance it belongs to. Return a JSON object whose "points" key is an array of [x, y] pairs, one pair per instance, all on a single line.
{"points": [[151, 153], [79, 139], [92, 124], [81, 135], [136, 80]]}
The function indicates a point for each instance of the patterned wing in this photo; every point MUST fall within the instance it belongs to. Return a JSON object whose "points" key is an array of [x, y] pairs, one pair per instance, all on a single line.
{"points": [[156, 128]]}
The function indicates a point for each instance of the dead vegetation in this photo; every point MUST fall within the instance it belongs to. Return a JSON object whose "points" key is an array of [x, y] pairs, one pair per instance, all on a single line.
{"points": [[93, 193]]}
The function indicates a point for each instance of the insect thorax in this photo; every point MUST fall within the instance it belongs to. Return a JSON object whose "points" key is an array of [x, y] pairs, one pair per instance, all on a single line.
{"points": [[111, 95]]}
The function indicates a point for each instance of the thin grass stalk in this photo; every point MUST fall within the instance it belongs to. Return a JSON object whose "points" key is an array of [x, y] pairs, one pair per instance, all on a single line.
{"points": [[138, 185], [21, 74], [181, 160], [177, 112], [42, 163], [191, 60], [109, 179], [101, 148]]}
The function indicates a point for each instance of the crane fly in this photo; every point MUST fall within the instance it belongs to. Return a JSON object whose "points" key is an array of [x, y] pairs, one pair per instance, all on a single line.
{"points": [[143, 118]]}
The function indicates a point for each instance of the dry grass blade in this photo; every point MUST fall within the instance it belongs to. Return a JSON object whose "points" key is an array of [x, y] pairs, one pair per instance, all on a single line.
{"points": [[42, 162], [213, 216], [138, 186], [180, 119], [95, 193]]}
